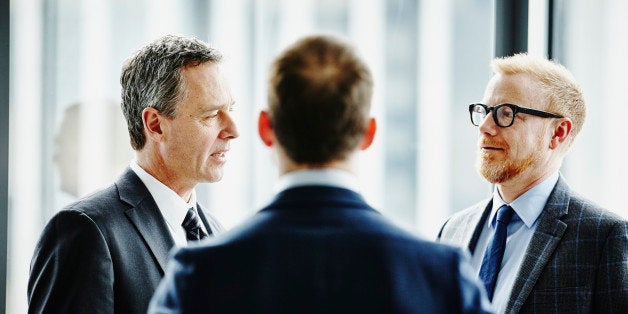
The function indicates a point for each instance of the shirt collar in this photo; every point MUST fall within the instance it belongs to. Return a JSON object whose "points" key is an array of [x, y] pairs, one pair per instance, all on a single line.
{"points": [[530, 204], [171, 205], [325, 177]]}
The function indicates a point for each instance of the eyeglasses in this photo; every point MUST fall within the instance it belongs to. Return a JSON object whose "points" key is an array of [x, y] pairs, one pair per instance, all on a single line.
{"points": [[504, 114]]}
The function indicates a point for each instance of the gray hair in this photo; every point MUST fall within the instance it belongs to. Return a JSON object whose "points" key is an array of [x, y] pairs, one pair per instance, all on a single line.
{"points": [[152, 78]]}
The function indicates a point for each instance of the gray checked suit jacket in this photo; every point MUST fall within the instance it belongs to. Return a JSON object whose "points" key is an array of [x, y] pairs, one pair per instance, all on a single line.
{"points": [[576, 262]]}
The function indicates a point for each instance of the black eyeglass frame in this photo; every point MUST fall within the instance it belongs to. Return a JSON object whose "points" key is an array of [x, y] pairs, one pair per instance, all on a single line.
{"points": [[515, 109]]}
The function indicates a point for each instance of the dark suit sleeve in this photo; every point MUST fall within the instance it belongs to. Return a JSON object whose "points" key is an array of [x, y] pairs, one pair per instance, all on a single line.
{"points": [[611, 288], [472, 292], [71, 270], [173, 288]]}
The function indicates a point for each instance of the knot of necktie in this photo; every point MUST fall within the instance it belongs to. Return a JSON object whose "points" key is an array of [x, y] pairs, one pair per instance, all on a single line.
{"points": [[505, 213]]}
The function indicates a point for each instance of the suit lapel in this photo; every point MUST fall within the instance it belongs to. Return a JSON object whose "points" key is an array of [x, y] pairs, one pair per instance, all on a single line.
{"points": [[545, 239], [204, 221], [477, 219], [210, 223], [146, 217], [154, 230], [464, 229]]}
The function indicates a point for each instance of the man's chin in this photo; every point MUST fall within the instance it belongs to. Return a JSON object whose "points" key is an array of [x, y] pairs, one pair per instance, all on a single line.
{"points": [[491, 177], [213, 176], [501, 174], [494, 174]]}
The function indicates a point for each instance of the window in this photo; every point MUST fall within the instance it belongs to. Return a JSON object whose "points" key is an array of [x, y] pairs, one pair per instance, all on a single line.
{"points": [[591, 39], [65, 129]]}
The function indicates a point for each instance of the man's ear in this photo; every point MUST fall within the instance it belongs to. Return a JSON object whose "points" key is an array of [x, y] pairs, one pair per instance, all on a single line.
{"points": [[562, 129], [369, 134], [153, 123], [265, 129]]}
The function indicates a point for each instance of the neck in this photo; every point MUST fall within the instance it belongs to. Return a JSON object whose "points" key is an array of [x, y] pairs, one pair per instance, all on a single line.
{"points": [[156, 166], [511, 190], [340, 165], [540, 170], [286, 165]]}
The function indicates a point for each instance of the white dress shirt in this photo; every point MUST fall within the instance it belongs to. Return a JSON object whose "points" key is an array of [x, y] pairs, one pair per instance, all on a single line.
{"points": [[528, 207], [173, 208]]}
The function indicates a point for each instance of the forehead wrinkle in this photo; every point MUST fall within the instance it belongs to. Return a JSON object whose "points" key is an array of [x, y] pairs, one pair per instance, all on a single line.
{"points": [[215, 93]]}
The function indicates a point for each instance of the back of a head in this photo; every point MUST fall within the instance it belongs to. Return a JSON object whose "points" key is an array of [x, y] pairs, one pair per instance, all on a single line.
{"points": [[152, 78], [319, 99]]}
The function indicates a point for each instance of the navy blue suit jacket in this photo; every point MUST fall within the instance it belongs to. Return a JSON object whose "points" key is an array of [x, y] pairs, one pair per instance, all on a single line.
{"points": [[318, 250]]}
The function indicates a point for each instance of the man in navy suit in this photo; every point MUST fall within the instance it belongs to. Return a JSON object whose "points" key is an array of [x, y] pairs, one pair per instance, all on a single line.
{"points": [[561, 252], [107, 252], [318, 247]]}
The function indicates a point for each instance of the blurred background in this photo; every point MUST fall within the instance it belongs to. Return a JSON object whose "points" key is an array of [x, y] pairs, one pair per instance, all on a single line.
{"points": [[430, 58]]}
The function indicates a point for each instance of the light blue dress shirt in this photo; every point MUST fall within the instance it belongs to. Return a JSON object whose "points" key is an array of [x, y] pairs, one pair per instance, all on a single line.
{"points": [[528, 208]]}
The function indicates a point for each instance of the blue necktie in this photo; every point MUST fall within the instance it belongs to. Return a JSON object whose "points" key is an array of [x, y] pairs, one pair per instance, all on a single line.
{"points": [[192, 226], [492, 261]]}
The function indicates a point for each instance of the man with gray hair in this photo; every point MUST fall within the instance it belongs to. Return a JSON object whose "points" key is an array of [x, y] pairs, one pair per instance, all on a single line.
{"points": [[318, 247], [107, 252]]}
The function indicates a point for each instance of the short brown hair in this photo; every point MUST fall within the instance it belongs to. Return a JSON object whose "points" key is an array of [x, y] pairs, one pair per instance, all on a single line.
{"points": [[565, 95], [152, 78], [319, 99]]}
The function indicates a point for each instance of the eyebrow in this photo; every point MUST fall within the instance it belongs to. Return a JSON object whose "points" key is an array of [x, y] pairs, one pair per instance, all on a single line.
{"points": [[225, 106]]}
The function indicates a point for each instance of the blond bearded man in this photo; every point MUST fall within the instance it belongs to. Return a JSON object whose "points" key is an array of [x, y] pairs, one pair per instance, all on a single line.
{"points": [[537, 245]]}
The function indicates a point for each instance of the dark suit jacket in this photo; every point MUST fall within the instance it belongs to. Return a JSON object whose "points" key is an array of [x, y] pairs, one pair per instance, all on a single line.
{"points": [[103, 254], [577, 260], [318, 250]]}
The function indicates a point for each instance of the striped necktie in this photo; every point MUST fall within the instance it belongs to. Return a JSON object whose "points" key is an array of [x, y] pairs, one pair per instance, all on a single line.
{"points": [[192, 226]]}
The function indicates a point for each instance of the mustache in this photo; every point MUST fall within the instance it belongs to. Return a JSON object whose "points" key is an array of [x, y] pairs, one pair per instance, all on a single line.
{"points": [[483, 142]]}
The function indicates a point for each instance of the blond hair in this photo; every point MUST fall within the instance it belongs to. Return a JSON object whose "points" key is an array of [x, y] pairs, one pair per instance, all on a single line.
{"points": [[565, 95]]}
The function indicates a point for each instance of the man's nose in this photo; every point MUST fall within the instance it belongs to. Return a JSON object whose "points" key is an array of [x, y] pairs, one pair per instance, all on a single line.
{"points": [[488, 125], [230, 130]]}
